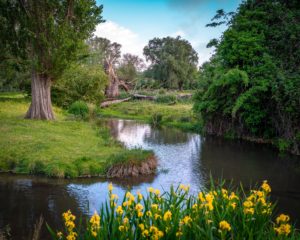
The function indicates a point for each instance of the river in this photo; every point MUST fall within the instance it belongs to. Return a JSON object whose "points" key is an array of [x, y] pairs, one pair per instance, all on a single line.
{"points": [[183, 158]]}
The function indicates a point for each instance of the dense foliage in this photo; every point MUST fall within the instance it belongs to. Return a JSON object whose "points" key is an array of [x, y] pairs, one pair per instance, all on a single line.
{"points": [[80, 82], [251, 86], [173, 62], [215, 214], [46, 35], [129, 68]]}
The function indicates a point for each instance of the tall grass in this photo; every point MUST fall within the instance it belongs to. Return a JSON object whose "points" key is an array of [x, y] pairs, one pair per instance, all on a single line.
{"points": [[216, 214]]}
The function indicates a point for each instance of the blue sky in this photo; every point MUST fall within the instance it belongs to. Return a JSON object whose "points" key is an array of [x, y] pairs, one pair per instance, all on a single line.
{"points": [[133, 23]]}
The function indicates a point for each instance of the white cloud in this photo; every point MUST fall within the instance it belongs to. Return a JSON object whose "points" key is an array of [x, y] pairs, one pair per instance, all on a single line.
{"points": [[204, 53], [133, 43], [130, 41], [178, 33]]}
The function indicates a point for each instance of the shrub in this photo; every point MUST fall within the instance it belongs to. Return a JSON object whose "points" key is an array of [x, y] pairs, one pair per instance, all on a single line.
{"points": [[162, 91], [283, 144], [79, 82], [216, 214], [79, 109]]}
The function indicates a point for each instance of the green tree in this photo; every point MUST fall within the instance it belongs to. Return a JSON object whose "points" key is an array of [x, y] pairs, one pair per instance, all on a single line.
{"points": [[107, 54], [173, 61], [85, 82], [260, 42], [48, 34], [129, 68]]}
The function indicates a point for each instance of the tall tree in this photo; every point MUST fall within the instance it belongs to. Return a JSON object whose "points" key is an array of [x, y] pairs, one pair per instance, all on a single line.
{"points": [[108, 55], [253, 81], [128, 69], [48, 34], [173, 61]]}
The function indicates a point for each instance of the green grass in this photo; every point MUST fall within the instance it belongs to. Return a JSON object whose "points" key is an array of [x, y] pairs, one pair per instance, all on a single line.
{"points": [[162, 91], [179, 115], [60, 148]]}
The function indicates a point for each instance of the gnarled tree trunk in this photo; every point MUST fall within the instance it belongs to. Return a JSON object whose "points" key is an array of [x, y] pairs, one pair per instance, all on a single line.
{"points": [[41, 106], [112, 89]]}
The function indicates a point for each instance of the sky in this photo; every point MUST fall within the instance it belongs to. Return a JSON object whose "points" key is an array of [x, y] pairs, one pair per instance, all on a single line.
{"points": [[132, 23]]}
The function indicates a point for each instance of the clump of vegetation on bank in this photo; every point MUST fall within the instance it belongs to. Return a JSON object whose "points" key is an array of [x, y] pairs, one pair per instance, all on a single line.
{"points": [[216, 214], [61, 148], [177, 115], [138, 162]]}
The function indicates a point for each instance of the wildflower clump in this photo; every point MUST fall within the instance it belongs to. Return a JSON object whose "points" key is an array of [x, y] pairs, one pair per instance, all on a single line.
{"points": [[283, 228], [69, 219], [224, 226], [219, 213], [95, 224]]}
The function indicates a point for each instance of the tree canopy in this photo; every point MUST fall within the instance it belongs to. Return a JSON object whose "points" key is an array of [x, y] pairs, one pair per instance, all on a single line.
{"points": [[103, 51], [48, 34], [173, 61], [251, 86], [129, 67]]}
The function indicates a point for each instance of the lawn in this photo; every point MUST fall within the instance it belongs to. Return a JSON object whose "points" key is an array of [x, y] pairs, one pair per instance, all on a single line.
{"points": [[61, 148], [174, 115]]}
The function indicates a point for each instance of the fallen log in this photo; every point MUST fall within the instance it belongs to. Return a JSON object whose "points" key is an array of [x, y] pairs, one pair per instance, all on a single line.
{"points": [[184, 95], [145, 97], [108, 103]]}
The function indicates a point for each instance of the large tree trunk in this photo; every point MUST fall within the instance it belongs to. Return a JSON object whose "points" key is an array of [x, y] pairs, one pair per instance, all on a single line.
{"points": [[112, 89], [41, 106]]}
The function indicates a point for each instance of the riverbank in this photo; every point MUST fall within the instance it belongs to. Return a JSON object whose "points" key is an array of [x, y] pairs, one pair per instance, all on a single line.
{"points": [[61, 148], [177, 115], [181, 152]]}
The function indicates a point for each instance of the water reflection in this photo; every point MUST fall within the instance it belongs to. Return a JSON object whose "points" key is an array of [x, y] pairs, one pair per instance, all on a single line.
{"points": [[183, 158], [178, 152]]}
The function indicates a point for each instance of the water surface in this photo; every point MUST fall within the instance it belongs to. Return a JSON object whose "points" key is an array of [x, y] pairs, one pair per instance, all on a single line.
{"points": [[183, 158]]}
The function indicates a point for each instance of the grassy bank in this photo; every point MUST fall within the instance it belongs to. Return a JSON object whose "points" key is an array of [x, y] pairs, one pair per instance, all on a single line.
{"points": [[215, 214], [176, 115], [61, 148]]}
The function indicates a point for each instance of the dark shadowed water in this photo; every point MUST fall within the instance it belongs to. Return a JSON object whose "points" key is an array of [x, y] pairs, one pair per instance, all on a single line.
{"points": [[183, 158]]}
